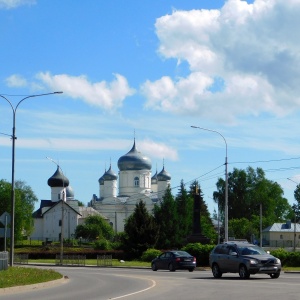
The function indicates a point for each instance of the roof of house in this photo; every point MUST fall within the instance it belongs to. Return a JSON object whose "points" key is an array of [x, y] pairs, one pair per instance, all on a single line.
{"points": [[283, 227]]}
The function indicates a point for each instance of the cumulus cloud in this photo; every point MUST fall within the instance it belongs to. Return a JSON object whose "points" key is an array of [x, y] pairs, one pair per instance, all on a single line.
{"points": [[102, 94], [252, 49], [8, 4], [157, 150], [16, 81]]}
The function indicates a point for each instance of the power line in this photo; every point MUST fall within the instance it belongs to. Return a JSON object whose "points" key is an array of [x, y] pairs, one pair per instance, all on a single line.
{"points": [[263, 161]]}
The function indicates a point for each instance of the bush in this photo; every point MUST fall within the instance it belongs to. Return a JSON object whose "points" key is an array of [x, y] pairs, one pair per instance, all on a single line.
{"points": [[150, 254], [288, 259], [102, 244], [201, 252]]}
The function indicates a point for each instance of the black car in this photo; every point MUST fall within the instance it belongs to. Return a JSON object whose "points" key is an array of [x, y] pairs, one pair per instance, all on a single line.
{"points": [[174, 260], [243, 258]]}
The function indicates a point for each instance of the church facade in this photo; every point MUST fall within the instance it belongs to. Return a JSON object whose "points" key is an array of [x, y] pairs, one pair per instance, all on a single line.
{"points": [[58, 218], [118, 195]]}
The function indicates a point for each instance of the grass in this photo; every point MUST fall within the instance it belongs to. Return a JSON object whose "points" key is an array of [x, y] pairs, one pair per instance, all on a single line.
{"points": [[16, 276], [93, 262]]}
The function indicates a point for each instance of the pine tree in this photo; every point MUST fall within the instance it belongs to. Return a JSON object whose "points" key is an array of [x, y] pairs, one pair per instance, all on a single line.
{"points": [[165, 214], [140, 232], [184, 205]]}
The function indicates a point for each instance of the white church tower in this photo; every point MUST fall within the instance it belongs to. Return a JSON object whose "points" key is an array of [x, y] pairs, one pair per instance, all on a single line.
{"points": [[58, 183], [163, 181], [108, 184], [135, 173]]}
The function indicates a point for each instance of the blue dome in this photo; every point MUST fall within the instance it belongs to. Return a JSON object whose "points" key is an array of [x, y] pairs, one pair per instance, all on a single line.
{"points": [[109, 175], [163, 175], [69, 192], [134, 160], [154, 178], [58, 179]]}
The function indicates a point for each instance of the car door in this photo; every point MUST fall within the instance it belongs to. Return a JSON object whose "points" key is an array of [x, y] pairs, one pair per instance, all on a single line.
{"points": [[222, 257], [165, 260], [232, 259]]}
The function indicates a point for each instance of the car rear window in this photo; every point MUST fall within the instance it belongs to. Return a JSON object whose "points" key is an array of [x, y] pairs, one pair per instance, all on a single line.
{"points": [[181, 253]]}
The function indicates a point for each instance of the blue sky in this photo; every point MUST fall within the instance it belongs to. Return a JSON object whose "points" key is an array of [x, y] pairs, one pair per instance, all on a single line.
{"points": [[150, 69]]}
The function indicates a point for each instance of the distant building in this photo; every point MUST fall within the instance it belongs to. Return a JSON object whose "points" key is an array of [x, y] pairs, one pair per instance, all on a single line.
{"points": [[282, 235], [61, 214], [135, 184]]}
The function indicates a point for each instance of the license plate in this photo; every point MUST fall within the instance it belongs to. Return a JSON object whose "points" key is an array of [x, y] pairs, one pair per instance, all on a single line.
{"points": [[268, 268], [186, 259]]}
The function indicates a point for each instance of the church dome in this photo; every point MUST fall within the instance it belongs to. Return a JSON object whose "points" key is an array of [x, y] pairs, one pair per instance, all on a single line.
{"points": [[163, 175], [69, 192], [58, 179], [134, 160], [109, 175], [154, 178], [101, 179]]}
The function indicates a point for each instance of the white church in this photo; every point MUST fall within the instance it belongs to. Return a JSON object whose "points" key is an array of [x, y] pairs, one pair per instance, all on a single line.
{"points": [[135, 183], [60, 216]]}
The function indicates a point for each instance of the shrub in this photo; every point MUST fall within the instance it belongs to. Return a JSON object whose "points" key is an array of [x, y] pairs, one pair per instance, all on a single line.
{"points": [[102, 244], [201, 252], [150, 254], [281, 254]]}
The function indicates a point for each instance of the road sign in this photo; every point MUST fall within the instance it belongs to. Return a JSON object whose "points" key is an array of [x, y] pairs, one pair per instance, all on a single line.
{"points": [[5, 218], [2, 231]]}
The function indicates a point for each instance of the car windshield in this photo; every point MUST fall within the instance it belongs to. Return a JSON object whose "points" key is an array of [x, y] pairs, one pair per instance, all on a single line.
{"points": [[251, 250]]}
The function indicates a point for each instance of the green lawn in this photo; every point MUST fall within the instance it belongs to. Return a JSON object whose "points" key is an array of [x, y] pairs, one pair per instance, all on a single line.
{"points": [[16, 276], [93, 262]]}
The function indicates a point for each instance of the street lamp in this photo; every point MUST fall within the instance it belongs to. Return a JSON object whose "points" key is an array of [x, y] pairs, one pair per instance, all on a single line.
{"points": [[226, 182], [295, 217], [13, 136]]}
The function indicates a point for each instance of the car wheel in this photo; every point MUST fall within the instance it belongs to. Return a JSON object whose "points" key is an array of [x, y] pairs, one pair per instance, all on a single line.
{"points": [[216, 271], [191, 270], [171, 267], [243, 272], [275, 275], [153, 267]]}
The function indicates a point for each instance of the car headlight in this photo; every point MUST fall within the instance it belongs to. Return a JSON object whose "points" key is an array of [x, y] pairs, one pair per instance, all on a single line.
{"points": [[277, 261], [253, 262]]}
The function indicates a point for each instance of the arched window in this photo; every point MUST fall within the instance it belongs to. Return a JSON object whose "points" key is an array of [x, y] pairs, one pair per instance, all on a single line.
{"points": [[136, 181]]}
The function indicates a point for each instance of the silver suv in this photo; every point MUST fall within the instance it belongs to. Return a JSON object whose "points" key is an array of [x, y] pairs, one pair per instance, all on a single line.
{"points": [[243, 258]]}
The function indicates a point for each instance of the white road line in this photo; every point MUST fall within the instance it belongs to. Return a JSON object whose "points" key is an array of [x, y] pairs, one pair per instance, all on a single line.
{"points": [[138, 292]]}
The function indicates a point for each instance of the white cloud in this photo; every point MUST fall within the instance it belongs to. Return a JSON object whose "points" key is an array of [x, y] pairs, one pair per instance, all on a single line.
{"points": [[102, 94], [8, 4], [158, 150], [252, 48], [16, 80]]}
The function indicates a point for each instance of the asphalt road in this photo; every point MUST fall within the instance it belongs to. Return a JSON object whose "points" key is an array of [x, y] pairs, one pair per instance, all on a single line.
{"points": [[89, 283]]}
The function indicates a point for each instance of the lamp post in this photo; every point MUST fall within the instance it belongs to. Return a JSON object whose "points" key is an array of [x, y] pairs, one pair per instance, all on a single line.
{"points": [[13, 136], [295, 217], [226, 182], [62, 215]]}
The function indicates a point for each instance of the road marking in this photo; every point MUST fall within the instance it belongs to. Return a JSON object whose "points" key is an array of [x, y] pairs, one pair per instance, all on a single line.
{"points": [[137, 292]]}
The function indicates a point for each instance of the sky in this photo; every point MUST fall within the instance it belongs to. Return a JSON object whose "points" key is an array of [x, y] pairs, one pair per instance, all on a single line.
{"points": [[150, 70]]}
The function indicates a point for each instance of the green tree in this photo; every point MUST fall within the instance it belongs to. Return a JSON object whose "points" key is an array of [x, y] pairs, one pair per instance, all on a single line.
{"points": [[166, 216], [296, 206], [184, 207], [24, 206], [140, 232], [242, 229], [247, 190], [94, 227]]}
